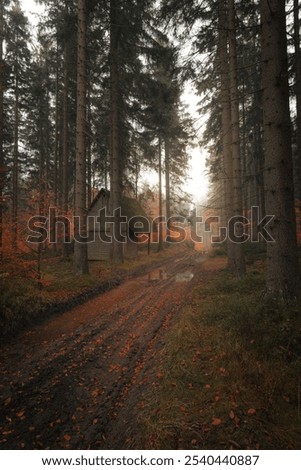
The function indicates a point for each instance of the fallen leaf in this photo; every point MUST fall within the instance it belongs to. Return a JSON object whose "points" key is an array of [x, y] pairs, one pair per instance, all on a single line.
{"points": [[7, 401], [216, 422], [251, 412], [67, 437], [21, 413], [237, 421], [232, 414]]}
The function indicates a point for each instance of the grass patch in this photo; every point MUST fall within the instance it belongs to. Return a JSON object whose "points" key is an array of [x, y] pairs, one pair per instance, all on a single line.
{"points": [[231, 372]]}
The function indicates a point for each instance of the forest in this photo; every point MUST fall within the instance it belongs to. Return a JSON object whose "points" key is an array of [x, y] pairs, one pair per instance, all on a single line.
{"points": [[105, 255]]}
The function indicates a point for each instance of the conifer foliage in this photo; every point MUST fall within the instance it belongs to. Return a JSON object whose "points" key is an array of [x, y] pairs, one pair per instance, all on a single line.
{"points": [[93, 96]]}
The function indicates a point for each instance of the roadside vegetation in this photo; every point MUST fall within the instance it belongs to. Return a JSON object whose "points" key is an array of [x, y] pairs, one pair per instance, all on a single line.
{"points": [[32, 289], [230, 374]]}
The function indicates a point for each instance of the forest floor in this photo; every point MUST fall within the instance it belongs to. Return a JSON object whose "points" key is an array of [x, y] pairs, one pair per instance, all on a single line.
{"points": [[165, 360], [77, 380]]}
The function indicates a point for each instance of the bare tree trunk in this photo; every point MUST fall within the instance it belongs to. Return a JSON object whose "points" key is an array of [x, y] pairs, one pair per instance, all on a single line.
{"points": [[56, 129], [65, 182], [298, 96], [42, 165], [137, 171], [2, 65], [167, 187], [47, 130], [226, 125], [80, 226], [244, 155], [56, 145], [240, 267], [282, 255], [160, 228], [60, 157], [115, 159], [15, 165], [89, 154]]}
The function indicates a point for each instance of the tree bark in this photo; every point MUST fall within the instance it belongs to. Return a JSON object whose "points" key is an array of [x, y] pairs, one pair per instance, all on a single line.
{"points": [[167, 187], [115, 158], [226, 125], [298, 96], [15, 164], [240, 267], [160, 228], [89, 154], [282, 256], [80, 226], [56, 129], [56, 179], [65, 182], [2, 65]]}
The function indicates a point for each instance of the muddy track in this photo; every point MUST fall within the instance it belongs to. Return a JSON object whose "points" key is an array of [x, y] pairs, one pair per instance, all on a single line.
{"points": [[77, 381]]}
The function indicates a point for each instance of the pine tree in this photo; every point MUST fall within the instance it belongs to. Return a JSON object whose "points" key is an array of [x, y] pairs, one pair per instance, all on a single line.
{"points": [[165, 118], [282, 255], [115, 148], [226, 125], [298, 97], [18, 59], [80, 225], [2, 86], [235, 139]]}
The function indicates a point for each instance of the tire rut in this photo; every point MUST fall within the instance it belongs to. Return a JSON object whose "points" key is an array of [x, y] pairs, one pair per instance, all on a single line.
{"points": [[81, 389]]}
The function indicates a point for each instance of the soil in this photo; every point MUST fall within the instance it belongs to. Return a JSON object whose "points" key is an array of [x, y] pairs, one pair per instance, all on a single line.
{"points": [[78, 380]]}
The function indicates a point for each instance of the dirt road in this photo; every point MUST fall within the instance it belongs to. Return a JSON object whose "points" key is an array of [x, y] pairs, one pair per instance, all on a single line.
{"points": [[77, 381]]}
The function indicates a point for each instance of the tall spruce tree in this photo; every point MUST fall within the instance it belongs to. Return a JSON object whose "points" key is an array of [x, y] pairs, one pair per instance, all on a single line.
{"points": [[226, 124], [297, 63], [165, 117], [239, 267], [80, 226], [2, 86], [115, 148], [282, 255], [18, 60]]}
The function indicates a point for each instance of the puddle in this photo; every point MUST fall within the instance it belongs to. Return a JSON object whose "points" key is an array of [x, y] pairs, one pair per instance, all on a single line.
{"points": [[161, 275], [186, 276], [158, 275], [200, 259]]}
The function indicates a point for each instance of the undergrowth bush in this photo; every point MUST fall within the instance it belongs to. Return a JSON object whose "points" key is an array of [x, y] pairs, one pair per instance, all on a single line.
{"points": [[19, 301], [240, 307], [231, 371]]}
